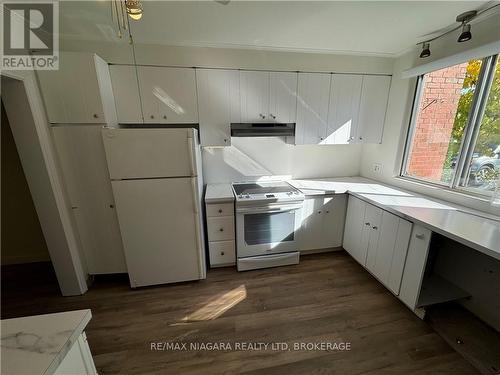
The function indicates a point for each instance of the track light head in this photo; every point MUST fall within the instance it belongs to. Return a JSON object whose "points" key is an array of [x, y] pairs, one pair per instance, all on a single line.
{"points": [[465, 35], [426, 50]]}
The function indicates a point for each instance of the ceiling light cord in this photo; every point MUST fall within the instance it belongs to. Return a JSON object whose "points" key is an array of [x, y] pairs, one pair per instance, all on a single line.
{"points": [[465, 35]]}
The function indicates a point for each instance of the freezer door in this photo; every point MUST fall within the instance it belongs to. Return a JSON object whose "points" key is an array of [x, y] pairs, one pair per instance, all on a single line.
{"points": [[150, 153], [159, 223]]}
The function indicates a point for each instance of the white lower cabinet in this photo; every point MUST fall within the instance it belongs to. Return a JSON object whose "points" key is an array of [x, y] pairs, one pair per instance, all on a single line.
{"points": [[78, 360], [378, 240], [323, 219], [414, 270], [220, 233], [386, 258]]}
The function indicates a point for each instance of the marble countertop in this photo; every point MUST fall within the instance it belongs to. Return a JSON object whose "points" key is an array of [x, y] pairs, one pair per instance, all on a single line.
{"points": [[469, 227], [37, 344], [218, 193]]}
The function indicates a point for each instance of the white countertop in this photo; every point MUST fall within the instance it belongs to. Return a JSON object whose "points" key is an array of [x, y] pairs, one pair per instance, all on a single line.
{"points": [[218, 193], [463, 225], [37, 344]]}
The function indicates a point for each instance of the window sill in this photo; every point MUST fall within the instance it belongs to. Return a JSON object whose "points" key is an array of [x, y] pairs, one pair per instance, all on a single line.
{"points": [[455, 192]]}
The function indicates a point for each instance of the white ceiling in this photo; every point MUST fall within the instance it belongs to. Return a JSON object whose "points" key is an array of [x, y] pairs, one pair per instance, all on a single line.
{"points": [[384, 28]]}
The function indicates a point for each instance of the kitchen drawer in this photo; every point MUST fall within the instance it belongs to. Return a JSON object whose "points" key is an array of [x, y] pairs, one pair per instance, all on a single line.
{"points": [[220, 228], [220, 209], [221, 253]]}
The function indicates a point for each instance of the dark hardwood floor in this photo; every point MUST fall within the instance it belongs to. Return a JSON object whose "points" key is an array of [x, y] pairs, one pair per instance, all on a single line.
{"points": [[326, 298]]}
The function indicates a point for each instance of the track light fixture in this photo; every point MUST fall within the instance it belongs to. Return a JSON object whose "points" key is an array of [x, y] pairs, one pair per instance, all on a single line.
{"points": [[465, 18], [426, 50]]}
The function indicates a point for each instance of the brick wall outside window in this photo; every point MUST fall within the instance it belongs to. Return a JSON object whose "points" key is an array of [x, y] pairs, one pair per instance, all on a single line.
{"points": [[436, 115]]}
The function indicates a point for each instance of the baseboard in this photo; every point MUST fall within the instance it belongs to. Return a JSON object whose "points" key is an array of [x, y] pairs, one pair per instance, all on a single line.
{"points": [[319, 251]]}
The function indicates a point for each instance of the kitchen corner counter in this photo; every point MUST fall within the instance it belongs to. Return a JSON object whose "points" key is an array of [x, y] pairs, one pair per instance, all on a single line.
{"points": [[38, 344], [469, 227], [219, 193]]}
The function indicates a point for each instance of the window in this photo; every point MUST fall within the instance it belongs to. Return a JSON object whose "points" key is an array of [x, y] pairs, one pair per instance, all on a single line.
{"points": [[454, 137]]}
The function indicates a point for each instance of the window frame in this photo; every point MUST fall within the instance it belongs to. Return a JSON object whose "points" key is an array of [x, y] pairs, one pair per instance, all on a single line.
{"points": [[471, 132]]}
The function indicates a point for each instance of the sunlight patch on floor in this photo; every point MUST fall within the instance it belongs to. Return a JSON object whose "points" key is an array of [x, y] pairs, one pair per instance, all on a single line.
{"points": [[218, 306]]}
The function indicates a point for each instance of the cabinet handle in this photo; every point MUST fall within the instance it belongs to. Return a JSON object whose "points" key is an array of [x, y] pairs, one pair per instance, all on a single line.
{"points": [[320, 138], [221, 229], [225, 140], [111, 206], [221, 253], [360, 138], [327, 212], [375, 227], [96, 115], [367, 223], [420, 236], [272, 116], [165, 117], [261, 115], [220, 210], [151, 116], [319, 212]]}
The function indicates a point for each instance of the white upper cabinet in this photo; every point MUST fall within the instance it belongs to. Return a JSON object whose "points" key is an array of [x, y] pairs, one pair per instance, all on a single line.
{"points": [[282, 97], [126, 93], [313, 96], [372, 108], [218, 105], [168, 95], [345, 94], [254, 96], [268, 96], [79, 92]]}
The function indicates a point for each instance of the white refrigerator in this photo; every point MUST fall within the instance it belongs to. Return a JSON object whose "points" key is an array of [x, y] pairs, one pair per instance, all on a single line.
{"points": [[157, 185]]}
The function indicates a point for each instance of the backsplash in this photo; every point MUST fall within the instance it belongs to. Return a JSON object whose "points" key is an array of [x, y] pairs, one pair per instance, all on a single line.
{"points": [[248, 159]]}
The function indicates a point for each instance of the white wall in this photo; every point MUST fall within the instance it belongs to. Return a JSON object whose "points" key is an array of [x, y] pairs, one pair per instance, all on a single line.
{"points": [[251, 158], [390, 152]]}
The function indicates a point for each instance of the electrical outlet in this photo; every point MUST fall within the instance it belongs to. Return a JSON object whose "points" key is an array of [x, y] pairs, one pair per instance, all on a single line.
{"points": [[377, 168]]}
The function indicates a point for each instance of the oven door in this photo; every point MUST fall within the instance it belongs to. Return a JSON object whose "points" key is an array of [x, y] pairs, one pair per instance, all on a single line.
{"points": [[267, 230]]}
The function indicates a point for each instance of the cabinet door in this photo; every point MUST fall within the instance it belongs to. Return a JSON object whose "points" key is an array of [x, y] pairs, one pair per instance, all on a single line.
{"points": [[71, 94], [218, 105], [414, 268], [254, 95], [311, 231], [168, 95], [86, 177], [354, 227], [372, 108], [399, 256], [345, 93], [283, 97], [371, 231], [126, 93], [334, 212], [313, 96]]}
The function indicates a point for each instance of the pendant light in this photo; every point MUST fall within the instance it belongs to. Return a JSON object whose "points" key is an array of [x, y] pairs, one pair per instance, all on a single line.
{"points": [[134, 9]]}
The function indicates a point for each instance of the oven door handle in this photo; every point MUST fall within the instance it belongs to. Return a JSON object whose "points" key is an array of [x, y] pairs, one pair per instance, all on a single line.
{"points": [[255, 210]]}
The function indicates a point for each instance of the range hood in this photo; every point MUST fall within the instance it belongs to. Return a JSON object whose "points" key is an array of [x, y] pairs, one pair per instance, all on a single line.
{"points": [[262, 129]]}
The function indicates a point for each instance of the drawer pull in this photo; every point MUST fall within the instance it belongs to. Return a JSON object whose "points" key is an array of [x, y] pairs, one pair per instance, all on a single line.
{"points": [[367, 223], [221, 253], [221, 229], [220, 210], [319, 212], [375, 227]]}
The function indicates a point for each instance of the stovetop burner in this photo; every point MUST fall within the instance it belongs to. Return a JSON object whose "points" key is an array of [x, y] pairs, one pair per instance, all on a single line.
{"points": [[263, 188], [269, 192]]}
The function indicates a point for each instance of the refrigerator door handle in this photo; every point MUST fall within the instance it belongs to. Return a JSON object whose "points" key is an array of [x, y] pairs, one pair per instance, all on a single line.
{"points": [[194, 182], [191, 156]]}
